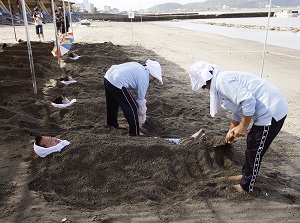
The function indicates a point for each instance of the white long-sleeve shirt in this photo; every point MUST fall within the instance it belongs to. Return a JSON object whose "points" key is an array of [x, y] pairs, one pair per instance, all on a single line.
{"points": [[247, 94], [130, 75]]}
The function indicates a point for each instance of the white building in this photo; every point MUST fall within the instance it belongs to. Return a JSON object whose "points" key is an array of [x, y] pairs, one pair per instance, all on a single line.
{"points": [[85, 6], [107, 8]]}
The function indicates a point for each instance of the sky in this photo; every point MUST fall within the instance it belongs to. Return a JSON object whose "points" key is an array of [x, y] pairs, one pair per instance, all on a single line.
{"points": [[127, 5]]}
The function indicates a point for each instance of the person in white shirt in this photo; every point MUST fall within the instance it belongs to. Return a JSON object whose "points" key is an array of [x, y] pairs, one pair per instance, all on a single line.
{"points": [[248, 97], [38, 22], [131, 75]]}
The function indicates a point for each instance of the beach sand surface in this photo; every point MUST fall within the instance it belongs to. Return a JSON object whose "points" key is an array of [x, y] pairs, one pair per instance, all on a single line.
{"points": [[106, 176]]}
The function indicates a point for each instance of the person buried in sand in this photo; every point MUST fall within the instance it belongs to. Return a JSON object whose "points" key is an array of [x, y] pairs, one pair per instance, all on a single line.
{"points": [[248, 97], [45, 145], [45, 141], [117, 80], [73, 54], [61, 100]]}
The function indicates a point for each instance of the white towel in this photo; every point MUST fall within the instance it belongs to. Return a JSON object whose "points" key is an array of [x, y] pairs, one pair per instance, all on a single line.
{"points": [[68, 82], [64, 105], [43, 152], [74, 58]]}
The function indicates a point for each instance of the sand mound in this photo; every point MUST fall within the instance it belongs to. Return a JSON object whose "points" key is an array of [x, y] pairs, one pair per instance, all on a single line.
{"points": [[103, 166]]}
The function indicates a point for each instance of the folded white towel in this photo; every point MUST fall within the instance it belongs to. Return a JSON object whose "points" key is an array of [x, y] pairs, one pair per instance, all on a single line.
{"points": [[64, 105], [68, 82], [43, 152], [74, 58]]}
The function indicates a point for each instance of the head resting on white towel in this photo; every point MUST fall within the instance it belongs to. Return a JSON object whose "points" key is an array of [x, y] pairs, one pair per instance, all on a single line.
{"points": [[44, 146]]}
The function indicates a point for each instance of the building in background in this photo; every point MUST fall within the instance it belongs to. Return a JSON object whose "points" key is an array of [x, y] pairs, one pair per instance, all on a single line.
{"points": [[107, 8], [85, 6]]}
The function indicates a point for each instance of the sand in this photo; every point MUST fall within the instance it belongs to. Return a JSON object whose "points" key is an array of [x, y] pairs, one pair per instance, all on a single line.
{"points": [[106, 176]]}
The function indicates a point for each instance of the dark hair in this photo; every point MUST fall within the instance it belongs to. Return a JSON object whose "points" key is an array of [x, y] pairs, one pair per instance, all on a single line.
{"points": [[36, 9], [58, 100], [4, 45], [65, 78], [71, 54], [207, 82], [38, 139]]}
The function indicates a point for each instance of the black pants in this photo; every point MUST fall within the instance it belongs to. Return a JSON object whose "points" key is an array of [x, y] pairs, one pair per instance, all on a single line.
{"points": [[259, 140], [116, 97]]}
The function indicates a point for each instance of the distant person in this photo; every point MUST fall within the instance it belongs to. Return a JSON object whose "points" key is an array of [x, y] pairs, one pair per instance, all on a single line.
{"points": [[63, 29], [248, 97], [58, 20], [117, 82], [38, 22]]}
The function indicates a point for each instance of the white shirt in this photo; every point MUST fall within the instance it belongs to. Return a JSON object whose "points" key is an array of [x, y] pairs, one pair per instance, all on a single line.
{"points": [[129, 75], [39, 19], [246, 94]]}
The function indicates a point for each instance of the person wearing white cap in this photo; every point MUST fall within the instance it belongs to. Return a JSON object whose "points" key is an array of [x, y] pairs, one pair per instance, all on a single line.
{"points": [[248, 97], [131, 75]]}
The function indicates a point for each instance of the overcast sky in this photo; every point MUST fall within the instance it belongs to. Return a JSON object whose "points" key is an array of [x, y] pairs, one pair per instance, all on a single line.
{"points": [[127, 5]]}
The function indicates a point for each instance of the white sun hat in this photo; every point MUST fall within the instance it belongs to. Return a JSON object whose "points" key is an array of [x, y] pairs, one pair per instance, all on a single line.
{"points": [[200, 74], [155, 69]]}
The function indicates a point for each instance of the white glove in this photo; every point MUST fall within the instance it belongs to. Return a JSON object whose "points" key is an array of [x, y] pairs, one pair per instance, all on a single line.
{"points": [[142, 109]]}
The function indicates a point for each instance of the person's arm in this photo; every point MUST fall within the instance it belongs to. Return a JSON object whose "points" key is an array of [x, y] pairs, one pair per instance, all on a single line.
{"points": [[238, 129], [229, 133], [241, 97]]}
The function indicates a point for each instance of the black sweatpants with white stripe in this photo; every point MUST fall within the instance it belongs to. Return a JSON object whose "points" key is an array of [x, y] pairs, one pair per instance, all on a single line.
{"points": [[259, 140], [116, 97]]}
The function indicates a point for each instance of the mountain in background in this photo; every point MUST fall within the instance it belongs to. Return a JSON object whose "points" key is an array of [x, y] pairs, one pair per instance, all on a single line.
{"points": [[219, 4]]}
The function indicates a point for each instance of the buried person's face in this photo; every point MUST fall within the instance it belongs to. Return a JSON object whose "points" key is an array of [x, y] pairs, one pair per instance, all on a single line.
{"points": [[49, 141]]}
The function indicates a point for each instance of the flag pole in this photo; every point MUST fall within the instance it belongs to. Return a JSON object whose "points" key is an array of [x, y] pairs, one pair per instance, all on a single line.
{"points": [[29, 48], [265, 44], [12, 20], [64, 11], [71, 19], [55, 30]]}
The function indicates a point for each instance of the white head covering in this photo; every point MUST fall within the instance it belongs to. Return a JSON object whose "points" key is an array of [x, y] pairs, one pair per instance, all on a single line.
{"points": [[199, 75], [75, 58], [43, 152], [64, 105], [68, 82], [155, 69]]}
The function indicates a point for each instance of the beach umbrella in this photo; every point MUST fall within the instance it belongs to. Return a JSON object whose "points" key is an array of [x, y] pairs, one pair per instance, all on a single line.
{"points": [[64, 46], [29, 48], [55, 29], [68, 36]]}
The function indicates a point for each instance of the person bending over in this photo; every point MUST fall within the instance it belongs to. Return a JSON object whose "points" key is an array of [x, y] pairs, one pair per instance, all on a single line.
{"points": [[117, 82], [248, 97]]}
